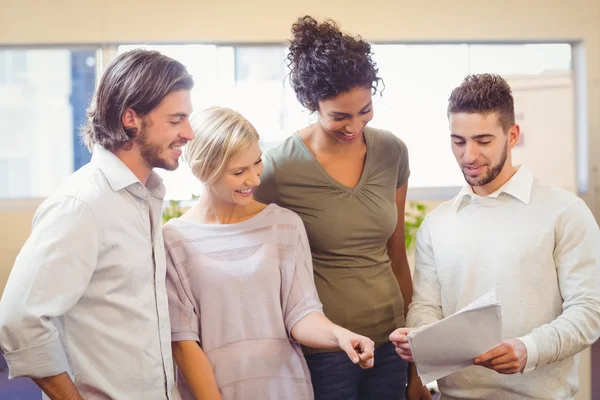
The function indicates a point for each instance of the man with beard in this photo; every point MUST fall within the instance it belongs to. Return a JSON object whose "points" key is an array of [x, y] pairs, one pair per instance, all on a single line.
{"points": [[85, 310], [537, 246]]}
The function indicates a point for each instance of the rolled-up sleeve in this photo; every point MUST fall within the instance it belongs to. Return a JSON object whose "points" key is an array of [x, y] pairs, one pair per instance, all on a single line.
{"points": [[298, 292], [49, 276]]}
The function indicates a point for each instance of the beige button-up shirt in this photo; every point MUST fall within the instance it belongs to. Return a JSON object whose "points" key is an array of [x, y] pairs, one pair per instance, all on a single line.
{"points": [[87, 292]]}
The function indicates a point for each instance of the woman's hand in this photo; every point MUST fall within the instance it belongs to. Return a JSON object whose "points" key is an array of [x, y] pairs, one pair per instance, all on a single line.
{"points": [[360, 349]]}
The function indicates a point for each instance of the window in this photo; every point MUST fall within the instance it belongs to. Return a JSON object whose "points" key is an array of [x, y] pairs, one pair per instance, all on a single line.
{"points": [[418, 80], [43, 96], [249, 79]]}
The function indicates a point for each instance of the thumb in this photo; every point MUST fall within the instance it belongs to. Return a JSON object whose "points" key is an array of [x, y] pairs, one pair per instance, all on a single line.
{"points": [[399, 335], [350, 351]]}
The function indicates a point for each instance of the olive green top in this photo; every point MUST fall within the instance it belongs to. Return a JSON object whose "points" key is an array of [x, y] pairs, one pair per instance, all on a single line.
{"points": [[348, 229]]}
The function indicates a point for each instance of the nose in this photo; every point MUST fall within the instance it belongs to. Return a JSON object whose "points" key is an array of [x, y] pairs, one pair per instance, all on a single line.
{"points": [[187, 132], [471, 153], [252, 180], [355, 126]]}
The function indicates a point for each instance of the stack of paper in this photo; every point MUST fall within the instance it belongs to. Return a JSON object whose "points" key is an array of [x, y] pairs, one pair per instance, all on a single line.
{"points": [[451, 344]]}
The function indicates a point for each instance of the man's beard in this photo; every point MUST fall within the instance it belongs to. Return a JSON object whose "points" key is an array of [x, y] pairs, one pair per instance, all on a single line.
{"points": [[491, 175], [151, 152]]}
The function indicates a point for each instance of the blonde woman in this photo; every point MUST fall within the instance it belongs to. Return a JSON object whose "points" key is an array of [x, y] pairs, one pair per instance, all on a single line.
{"points": [[240, 281]]}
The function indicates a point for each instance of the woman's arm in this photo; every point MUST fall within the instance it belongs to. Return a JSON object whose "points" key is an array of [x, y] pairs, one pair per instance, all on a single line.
{"points": [[317, 331], [196, 370], [397, 251]]}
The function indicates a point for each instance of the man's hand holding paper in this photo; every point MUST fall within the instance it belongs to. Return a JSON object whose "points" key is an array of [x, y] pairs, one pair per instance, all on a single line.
{"points": [[449, 345]]}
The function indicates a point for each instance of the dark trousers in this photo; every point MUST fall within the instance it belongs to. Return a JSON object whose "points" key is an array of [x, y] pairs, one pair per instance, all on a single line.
{"points": [[335, 377]]}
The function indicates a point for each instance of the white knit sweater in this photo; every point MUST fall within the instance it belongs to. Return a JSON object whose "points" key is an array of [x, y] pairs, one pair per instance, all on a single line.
{"points": [[539, 248]]}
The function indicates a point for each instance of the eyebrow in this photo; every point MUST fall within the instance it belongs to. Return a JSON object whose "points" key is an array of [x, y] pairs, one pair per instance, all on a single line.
{"points": [[362, 110], [179, 115], [474, 137], [243, 168]]}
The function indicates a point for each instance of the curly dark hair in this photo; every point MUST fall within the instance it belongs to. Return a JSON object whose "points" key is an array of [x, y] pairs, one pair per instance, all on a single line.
{"points": [[325, 62], [484, 94]]}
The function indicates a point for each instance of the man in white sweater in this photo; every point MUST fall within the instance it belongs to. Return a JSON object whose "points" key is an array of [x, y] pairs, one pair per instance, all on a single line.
{"points": [[537, 246]]}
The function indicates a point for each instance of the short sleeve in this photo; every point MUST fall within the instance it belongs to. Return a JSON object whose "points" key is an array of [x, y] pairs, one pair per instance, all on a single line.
{"points": [[267, 192], [185, 319], [403, 165], [298, 292]]}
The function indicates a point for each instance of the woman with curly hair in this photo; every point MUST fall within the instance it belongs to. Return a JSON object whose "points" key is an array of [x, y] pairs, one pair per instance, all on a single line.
{"points": [[348, 182]]}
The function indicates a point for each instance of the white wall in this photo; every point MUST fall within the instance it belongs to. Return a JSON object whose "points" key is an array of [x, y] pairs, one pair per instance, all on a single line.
{"points": [[545, 111]]}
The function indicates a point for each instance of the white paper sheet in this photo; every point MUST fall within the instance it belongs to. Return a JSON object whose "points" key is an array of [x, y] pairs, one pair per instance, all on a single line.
{"points": [[451, 344]]}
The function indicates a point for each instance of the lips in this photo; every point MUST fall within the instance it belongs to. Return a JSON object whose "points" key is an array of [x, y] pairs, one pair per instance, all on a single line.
{"points": [[473, 169], [177, 148], [347, 136], [245, 192]]}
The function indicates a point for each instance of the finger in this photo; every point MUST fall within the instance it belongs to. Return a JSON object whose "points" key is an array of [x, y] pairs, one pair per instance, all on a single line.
{"points": [[404, 350], [350, 352], [504, 359], [405, 356], [496, 352], [511, 367], [506, 368], [367, 364], [366, 356], [367, 350], [405, 347], [367, 346], [399, 335]]}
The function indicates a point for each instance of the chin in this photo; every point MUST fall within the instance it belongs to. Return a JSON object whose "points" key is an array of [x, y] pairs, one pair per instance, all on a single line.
{"points": [[473, 181], [480, 181], [171, 165]]}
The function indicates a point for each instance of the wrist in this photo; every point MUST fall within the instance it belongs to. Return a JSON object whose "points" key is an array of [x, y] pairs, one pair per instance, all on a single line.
{"points": [[337, 333]]}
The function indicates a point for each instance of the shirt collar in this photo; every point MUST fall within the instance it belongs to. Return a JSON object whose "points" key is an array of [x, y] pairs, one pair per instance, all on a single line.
{"points": [[518, 186], [119, 176]]}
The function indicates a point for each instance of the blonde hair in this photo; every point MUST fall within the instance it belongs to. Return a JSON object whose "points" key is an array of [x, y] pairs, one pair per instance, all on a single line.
{"points": [[219, 135]]}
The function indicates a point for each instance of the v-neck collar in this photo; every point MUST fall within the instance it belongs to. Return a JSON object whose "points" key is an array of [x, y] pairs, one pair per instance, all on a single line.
{"points": [[332, 180]]}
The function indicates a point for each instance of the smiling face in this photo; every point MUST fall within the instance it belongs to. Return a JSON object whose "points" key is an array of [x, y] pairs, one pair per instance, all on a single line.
{"points": [[345, 116], [241, 175], [482, 149], [163, 131]]}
